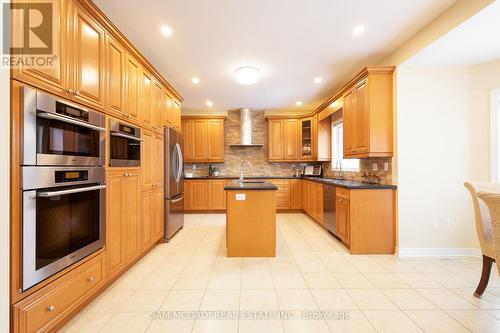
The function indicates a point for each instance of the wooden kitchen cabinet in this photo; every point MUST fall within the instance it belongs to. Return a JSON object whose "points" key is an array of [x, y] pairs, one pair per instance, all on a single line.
{"points": [[115, 64], [89, 58], [312, 200], [157, 163], [275, 137], [342, 219], [176, 114], [157, 107], [306, 139], [147, 160], [146, 99], [283, 193], [56, 78], [368, 114], [147, 218], [122, 218], [133, 72], [295, 194], [168, 120], [204, 194], [203, 139], [157, 214], [290, 139]]}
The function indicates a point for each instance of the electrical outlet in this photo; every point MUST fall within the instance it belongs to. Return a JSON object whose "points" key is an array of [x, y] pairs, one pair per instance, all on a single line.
{"points": [[375, 166], [194, 166], [386, 166], [447, 223], [435, 223]]}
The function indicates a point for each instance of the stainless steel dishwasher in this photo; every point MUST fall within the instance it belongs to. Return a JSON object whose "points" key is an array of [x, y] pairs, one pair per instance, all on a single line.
{"points": [[329, 218]]}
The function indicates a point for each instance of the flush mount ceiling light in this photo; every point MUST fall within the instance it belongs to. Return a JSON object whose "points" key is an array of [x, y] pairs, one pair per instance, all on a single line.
{"points": [[358, 30], [195, 80], [209, 103], [247, 75], [318, 80], [298, 103], [166, 31]]}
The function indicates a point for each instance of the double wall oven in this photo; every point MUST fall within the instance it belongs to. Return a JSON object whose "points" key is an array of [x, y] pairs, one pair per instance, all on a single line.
{"points": [[63, 185]]}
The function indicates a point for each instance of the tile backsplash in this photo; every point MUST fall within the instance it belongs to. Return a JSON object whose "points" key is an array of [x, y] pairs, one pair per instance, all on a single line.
{"points": [[258, 155]]}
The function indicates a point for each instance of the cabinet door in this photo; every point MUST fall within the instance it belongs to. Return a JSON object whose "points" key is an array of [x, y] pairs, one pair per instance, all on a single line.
{"points": [[318, 202], [133, 88], [215, 140], [89, 59], [157, 226], [115, 64], [157, 106], [216, 194], [362, 117], [147, 159], [186, 130], [343, 219], [167, 110], [349, 124], [305, 196], [199, 138], [131, 209], [146, 219], [295, 194], [282, 194], [275, 137], [306, 139], [157, 160], [290, 139], [55, 78], [199, 195], [146, 99], [176, 114], [114, 222], [188, 194]]}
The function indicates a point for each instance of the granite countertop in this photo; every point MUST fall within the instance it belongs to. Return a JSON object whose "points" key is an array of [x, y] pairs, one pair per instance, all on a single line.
{"points": [[259, 186], [350, 184]]}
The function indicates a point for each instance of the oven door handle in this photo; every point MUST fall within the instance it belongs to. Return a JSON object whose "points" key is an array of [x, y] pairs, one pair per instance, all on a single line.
{"points": [[121, 135], [76, 190], [49, 115]]}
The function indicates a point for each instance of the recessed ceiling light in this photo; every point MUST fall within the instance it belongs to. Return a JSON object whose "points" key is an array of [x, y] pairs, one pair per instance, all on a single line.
{"points": [[318, 80], [167, 31], [358, 30], [195, 80], [298, 103], [247, 75], [209, 103]]}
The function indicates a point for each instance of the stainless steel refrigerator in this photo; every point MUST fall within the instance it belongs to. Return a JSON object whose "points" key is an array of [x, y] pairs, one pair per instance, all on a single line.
{"points": [[174, 183]]}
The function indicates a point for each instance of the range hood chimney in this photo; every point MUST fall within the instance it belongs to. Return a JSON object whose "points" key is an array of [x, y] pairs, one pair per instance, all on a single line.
{"points": [[246, 130]]}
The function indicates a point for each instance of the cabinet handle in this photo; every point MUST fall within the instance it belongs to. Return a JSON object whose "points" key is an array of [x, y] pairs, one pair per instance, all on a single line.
{"points": [[51, 308], [70, 91], [77, 92], [91, 279]]}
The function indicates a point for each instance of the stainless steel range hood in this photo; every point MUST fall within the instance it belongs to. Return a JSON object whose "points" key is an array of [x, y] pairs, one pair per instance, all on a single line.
{"points": [[246, 130]]}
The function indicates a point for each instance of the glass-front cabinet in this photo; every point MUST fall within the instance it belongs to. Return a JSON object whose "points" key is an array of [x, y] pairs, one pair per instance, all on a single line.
{"points": [[306, 139]]}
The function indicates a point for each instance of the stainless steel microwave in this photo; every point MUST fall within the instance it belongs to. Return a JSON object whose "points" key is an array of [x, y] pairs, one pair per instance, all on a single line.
{"points": [[125, 144], [58, 132]]}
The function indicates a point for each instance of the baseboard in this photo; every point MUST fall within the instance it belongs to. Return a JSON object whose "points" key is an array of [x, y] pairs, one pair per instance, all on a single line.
{"points": [[438, 252]]}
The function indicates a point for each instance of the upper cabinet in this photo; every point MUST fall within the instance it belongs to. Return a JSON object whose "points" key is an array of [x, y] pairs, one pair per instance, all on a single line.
{"points": [[176, 115], [89, 58], [115, 63], [203, 139], [133, 72], [297, 139], [368, 114]]}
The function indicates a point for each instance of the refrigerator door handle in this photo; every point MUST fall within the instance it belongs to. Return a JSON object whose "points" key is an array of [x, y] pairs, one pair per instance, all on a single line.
{"points": [[180, 198], [180, 162]]}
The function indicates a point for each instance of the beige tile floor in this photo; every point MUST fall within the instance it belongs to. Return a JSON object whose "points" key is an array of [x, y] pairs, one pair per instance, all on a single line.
{"points": [[312, 272]]}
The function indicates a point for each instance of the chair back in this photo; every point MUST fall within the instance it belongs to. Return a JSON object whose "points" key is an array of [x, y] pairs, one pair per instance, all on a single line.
{"points": [[482, 214], [492, 200]]}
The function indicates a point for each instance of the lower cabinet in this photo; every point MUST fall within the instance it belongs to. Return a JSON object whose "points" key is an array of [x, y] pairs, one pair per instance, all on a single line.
{"points": [[342, 219], [122, 218], [43, 310], [151, 226], [283, 193], [204, 194], [295, 194], [312, 200]]}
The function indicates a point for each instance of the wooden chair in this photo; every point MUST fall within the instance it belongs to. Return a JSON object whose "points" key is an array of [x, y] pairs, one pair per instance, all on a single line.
{"points": [[484, 230], [492, 200]]}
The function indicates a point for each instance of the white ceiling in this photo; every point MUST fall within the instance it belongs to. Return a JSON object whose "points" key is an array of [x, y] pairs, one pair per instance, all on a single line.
{"points": [[473, 42], [291, 41]]}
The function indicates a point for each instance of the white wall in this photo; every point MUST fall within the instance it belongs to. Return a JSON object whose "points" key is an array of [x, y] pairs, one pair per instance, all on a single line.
{"points": [[4, 192], [484, 78], [436, 131]]}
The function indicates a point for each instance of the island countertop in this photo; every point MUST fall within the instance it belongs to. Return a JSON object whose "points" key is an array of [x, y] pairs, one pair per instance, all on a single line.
{"points": [[250, 185]]}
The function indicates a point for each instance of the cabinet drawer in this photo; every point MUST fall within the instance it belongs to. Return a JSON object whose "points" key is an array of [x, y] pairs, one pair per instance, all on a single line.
{"points": [[342, 193], [43, 313]]}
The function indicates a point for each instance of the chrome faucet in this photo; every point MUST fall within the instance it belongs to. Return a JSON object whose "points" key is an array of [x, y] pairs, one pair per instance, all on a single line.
{"points": [[242, 180], [339, 174]]}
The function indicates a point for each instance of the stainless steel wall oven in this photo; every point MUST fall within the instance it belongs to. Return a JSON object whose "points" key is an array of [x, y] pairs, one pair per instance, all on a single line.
{"points": [[58, 132], [63, 218]]}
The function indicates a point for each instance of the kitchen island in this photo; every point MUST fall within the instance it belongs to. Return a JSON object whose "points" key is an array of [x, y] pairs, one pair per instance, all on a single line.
{"points": [[250, 219]]}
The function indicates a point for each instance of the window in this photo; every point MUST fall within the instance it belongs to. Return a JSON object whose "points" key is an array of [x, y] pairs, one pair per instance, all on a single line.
{"points": [[495, 135], [338, 150]]}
